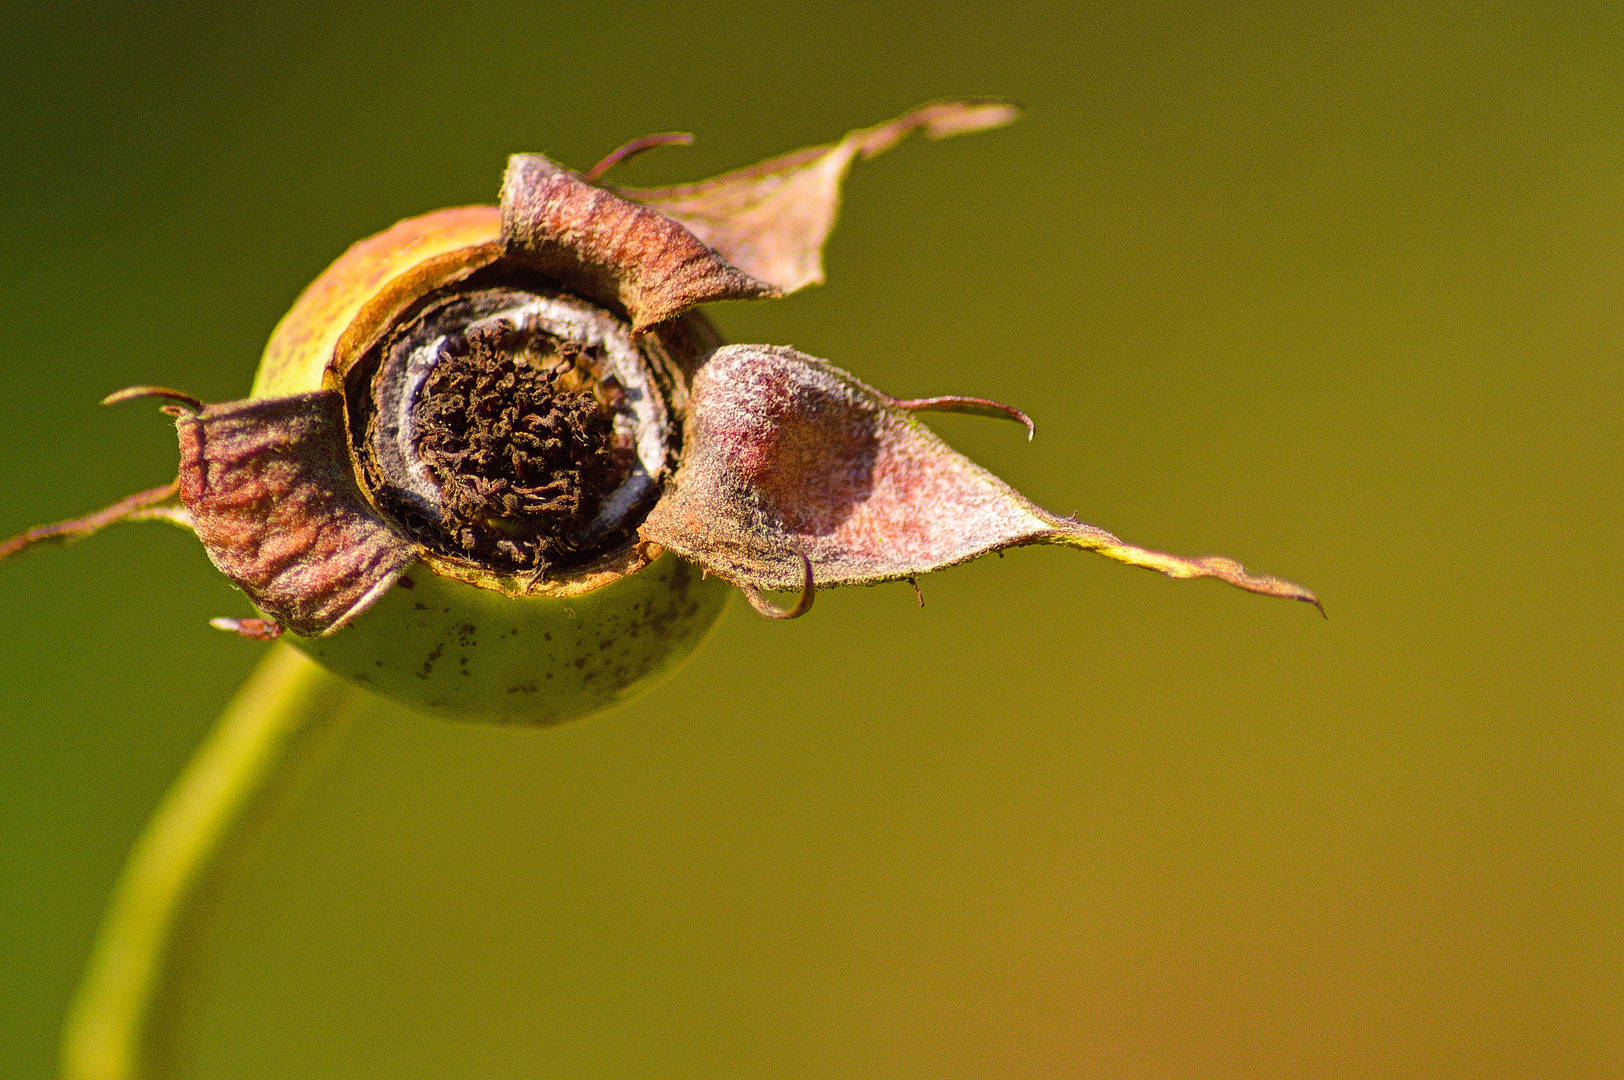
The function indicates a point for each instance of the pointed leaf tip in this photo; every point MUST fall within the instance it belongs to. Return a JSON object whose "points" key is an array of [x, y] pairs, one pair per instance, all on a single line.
{"points": [[939, 120], [131, 393]]}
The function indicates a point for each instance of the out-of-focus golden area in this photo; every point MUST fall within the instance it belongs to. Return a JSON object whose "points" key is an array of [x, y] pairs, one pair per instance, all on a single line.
{"points": [[1337, 293]]}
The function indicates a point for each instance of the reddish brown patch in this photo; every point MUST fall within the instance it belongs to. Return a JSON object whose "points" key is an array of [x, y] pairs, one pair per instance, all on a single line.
{"points": [[612, 250], [275, 502]]}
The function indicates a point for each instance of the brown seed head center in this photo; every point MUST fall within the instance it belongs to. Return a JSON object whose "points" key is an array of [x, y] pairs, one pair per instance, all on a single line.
{"points": [[521, 446]]}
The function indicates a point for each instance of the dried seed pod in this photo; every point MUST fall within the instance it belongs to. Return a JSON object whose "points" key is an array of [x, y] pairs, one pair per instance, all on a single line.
{"points": [[505, 435], [495, 465]]}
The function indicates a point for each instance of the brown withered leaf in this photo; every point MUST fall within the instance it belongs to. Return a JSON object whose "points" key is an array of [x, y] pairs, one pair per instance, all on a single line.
{"points": [[771, 220], [611, 249], [791, 461], [275, 502]]}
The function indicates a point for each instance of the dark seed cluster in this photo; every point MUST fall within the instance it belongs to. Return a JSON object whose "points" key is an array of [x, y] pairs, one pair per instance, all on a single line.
{"points": [[522, 458]]}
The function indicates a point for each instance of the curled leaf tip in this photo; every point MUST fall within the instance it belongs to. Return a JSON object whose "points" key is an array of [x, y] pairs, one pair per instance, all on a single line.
{"points": [[131, 393], [631, 149], [940, 120], [1176, 566], [254, 629], [970, 406], [802, 606]]}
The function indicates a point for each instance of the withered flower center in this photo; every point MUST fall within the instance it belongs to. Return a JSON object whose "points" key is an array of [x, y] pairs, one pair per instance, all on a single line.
{"points": [[514, 429], [523, 464]]}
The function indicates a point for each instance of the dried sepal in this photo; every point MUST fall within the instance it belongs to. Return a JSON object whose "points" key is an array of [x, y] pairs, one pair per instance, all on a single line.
{"points": [[611, 249], [751, 234], [791, 463], [771, 220], [274, 499]]}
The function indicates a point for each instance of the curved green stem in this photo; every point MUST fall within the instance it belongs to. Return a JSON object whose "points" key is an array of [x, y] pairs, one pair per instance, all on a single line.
{"points": [[125, 1021]]}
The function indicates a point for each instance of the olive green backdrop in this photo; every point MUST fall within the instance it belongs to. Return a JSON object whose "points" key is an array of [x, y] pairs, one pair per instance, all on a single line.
{"points": [[1338, 293]]}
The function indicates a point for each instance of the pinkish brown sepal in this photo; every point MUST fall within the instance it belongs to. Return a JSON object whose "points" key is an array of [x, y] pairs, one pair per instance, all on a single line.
{"points": [[750, 234], [610, 249], [787, 455], [771, 220], [791, 463], [275, 502]]}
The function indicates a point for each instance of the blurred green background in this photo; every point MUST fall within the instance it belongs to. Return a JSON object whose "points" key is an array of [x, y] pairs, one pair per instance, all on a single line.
{"points": [[1337, 293]]}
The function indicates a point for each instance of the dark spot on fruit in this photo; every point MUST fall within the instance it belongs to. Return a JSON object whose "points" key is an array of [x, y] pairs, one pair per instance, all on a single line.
{"points": [[523, 688], [428, 661], [420, 606], [580, 662], [546, 635], [377, 663], [406, 582]]}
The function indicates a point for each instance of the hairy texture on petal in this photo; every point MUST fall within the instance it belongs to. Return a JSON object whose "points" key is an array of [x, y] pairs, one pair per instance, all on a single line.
{"points": [[275, 502], [612, 250], [790, 461], [771, 220]]}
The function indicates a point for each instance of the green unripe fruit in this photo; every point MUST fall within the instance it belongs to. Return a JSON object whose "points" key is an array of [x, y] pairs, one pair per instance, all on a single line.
{"points": [[449, 648]]}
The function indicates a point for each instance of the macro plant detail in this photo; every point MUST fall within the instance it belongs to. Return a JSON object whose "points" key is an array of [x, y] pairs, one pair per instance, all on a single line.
{"points": [[506, 434], [496, 465]]}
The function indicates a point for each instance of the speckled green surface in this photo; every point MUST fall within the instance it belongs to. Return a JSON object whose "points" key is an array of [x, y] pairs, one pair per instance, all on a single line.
{"points": [[449, 649]]}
